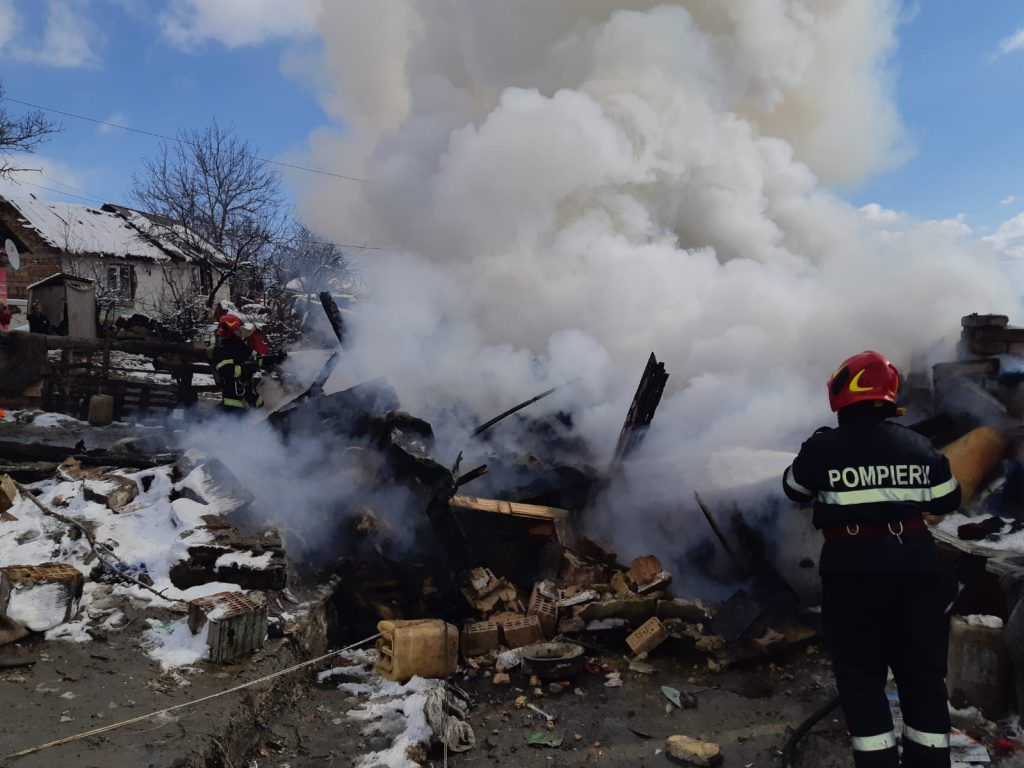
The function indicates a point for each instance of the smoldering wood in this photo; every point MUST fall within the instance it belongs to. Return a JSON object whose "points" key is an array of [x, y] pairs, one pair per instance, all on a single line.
{"points": [[333, 315], [473, 474], [514, 409], [720, 535], [641, 410], [316, 389], [776, 595], [12, 451]]}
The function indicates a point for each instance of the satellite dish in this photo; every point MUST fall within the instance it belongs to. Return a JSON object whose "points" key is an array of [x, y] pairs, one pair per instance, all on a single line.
{"points": [[12, 254]]}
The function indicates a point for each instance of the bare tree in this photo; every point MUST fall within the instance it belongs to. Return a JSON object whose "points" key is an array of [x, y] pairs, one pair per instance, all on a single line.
{"points": [[20, 134], [315, 262], [210, 188]]}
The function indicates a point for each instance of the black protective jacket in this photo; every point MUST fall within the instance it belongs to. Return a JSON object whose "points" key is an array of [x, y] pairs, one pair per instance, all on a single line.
{"points": [[234, 366], [873, 472]]}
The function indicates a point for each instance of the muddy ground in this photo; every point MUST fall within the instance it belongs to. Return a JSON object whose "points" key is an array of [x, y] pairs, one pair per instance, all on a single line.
{"points": [[747, 711]]}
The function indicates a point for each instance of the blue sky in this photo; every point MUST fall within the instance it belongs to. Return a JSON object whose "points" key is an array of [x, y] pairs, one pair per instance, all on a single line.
{"points": [[960, 100], [160, 66]]}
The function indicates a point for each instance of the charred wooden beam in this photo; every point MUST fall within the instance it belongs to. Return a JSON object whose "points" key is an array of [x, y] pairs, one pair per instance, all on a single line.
{"points": [[40, 452], [641, 410], [333, 315], [473, 474], [514, 409]]}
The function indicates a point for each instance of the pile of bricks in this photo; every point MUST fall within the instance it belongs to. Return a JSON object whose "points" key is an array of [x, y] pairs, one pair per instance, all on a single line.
{"points": [[987, 335]]}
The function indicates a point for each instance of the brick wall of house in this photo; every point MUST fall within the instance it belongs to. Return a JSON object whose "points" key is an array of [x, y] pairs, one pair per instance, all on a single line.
{"points": [[38, 258]]}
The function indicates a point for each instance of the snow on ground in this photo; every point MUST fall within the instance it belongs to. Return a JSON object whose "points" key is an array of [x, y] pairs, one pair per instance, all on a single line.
{"points": [[389, 708], [245, 560], [150, 535], [173, 644]]}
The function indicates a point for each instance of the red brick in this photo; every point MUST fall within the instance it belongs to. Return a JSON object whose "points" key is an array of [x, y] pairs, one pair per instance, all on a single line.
{"points": [[523, 631]]}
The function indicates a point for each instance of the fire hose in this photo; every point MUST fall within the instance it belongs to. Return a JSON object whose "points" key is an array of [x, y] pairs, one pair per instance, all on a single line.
{"points": [[803, 728]]}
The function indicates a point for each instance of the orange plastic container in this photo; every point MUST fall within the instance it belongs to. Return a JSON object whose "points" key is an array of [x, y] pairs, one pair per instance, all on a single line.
{"points": [[973, 457], [420, 647]]}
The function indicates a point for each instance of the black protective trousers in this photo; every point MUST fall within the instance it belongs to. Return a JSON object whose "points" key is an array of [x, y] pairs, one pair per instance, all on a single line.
{"points": [[877, 621]]}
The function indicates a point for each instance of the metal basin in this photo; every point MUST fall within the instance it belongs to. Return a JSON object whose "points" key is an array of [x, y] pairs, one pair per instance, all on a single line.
{"points": [[553, 661]]}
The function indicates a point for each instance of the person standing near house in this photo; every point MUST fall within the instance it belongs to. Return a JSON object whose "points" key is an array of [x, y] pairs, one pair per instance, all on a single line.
{"points": [[37, 322], [873, 482], [235, 366]]}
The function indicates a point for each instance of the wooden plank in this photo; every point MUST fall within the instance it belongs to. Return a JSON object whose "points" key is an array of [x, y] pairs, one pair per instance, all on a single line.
{"points": [[557, 516]]}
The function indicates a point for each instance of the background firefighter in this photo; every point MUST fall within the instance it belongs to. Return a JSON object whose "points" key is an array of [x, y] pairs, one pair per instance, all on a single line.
{"points": [[236, 364], [884, 589]]}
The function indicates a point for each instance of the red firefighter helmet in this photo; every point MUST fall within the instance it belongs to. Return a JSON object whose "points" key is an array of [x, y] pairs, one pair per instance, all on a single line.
{"points": [[861, 378], [228, 325]]}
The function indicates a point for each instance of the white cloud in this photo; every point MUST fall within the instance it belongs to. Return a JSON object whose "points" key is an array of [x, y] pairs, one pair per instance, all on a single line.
{"points": [[234, 23], [876, 213], [68, 39], [1008, 200], [1014, 42], [8, 22], [1010, 235], [117, 119]]}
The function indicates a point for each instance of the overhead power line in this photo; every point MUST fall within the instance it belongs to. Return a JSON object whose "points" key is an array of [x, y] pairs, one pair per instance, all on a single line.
{"points": [[179, 140]]}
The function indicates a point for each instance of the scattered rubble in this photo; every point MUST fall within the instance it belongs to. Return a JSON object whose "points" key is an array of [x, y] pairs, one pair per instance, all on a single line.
{"points": [[693, 752], [504, 588]]}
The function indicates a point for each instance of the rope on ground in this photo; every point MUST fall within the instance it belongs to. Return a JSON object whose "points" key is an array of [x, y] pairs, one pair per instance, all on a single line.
{"points": [[184, 705]]}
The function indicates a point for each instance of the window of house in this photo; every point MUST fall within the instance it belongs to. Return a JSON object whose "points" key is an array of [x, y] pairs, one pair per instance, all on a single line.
{"points": [[202, 277], [121, 282]]}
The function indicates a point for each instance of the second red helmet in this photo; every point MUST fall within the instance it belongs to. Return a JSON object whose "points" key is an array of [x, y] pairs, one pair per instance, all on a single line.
{"points": [[861, 378], [228, 325]]}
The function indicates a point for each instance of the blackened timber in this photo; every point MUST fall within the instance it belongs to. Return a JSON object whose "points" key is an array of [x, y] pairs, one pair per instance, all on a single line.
{"points": [[720, 535], [641, 410], [505, 414], [41, 452], [473, 474], [333, 315]]}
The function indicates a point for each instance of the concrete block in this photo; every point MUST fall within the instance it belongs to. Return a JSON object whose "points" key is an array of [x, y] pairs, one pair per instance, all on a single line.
{"points": [[40, 597], [546, 611], [236, 623], [522, 631], [479, 638]]}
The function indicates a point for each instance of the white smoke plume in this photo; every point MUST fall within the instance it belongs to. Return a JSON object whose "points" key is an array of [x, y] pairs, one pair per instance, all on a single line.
{"points": [[570, 185]]}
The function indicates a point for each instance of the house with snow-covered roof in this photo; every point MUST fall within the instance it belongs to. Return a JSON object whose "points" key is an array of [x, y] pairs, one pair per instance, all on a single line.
{"points": [[135, 260]]}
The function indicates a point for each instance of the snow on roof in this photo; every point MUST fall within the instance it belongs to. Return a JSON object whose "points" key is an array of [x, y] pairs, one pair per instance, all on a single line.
{"points": [[58, 277], [82, 229]]}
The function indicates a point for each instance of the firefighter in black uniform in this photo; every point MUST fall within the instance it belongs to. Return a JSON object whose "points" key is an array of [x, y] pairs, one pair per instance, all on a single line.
{"points": [[884, 590], [235, 365]]}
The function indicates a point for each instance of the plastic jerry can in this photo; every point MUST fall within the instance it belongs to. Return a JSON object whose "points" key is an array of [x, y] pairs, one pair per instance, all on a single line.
{"points": [[979, 668], [419, 647]]}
